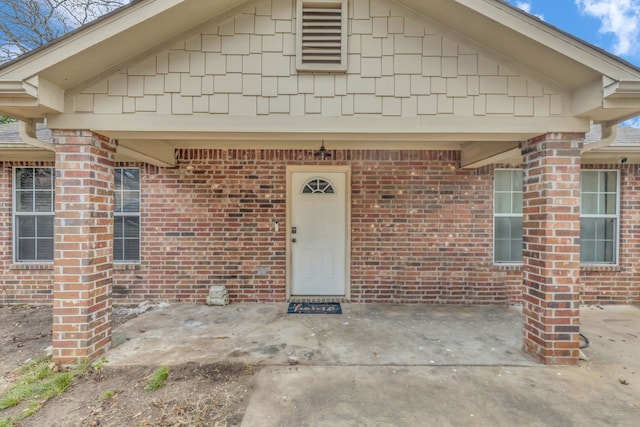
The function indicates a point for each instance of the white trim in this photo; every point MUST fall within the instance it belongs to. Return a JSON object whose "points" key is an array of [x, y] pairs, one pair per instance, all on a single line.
{"points": [[503, 215], [616, 216], [15, 214], [128, 214]]}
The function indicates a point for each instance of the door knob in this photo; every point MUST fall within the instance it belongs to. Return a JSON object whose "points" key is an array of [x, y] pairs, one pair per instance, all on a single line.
{"points": [[294, 240]]}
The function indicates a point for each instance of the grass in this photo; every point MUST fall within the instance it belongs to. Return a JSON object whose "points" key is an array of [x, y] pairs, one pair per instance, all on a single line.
{"points": [[106, 395], [158, 378], [37, 382]]}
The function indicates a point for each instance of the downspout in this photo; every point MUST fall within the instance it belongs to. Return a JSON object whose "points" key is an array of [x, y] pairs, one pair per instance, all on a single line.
{"points": [[609, 133], [27, 132]]}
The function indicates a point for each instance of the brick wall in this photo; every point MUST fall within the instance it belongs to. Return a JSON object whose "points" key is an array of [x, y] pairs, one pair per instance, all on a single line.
{"points": [[421, 232], [421, 228]]}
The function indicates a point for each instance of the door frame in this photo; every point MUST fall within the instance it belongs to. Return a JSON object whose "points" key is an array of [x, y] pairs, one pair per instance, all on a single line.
{"points": [[319, 169]]}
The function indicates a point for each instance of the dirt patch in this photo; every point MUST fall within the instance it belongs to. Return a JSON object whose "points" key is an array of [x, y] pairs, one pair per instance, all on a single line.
{"points": [[193, 395]]}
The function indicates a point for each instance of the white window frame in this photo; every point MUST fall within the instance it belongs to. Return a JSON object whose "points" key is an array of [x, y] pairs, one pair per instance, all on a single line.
{"points": [[615, 217], [319, 67], [125, 215], [15, 214], [503, 215]]}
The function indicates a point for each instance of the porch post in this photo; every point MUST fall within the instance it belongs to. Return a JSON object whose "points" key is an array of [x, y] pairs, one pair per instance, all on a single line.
{"points": [[83, 251], [551, 233]]}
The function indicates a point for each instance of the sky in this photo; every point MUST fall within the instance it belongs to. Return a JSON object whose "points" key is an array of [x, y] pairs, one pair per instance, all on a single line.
{"points": [[613, 25]]}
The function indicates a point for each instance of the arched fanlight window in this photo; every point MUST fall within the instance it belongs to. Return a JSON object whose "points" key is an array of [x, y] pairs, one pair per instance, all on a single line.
{"points": [[317, 186]]}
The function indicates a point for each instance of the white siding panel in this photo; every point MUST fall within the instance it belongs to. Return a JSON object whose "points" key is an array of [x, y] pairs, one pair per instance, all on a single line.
{"points": [[201, 104], [228, 83], [367, 104], [445, 104], [428, 105], [178, 62], [407, 64], [407, 44], [332, 107], [380, 27], [385, 86], [135, 86], [265, 25], [402, 86], [211, 43], [269, 86], [279, 104], [172, 83], [245, 24], [240, 105], [219, 104], [371, 47], [282, 9], [83, 103], [215, 63], [420, 85], [324, 85], [146, 104], [190, 86], [117, 85], [105, 104], [252, 84], [194, 43], [391, 106], [524, 107], [500, 104], [396, 25], [312, 104], [371, 67], [236, 44], [252, 64], [181, 105], [275, 65], [128, 105], [463, 107]]}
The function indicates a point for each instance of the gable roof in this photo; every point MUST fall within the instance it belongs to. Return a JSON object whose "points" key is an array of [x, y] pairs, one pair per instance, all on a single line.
{"points": [[597, 86]]}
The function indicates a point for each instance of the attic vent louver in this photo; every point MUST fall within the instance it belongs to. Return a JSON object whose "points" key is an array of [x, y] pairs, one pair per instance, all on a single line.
{"points": [[322, 35]]}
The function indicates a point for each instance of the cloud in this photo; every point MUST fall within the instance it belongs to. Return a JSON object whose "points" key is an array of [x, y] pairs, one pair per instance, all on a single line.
{"points": [[619, 17], [526, 6]]}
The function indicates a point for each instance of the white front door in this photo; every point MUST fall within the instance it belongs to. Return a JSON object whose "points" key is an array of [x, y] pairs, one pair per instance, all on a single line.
{"points": [[318, 233]]}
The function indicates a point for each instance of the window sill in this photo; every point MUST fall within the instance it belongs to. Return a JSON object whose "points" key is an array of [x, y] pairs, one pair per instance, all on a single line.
{"points": [[601, 267], [31, 267], [126, 266], [508, 267]]}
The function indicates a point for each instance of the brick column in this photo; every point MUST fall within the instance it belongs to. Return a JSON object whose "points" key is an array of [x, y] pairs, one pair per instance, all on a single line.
{"points": [[83, 251], [551, 220]]}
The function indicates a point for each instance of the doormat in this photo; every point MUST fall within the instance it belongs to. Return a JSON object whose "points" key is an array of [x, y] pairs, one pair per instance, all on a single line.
{"points": [[315, 308]]}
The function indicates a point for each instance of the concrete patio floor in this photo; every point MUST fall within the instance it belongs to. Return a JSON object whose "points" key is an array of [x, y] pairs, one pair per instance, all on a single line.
{"points": [[399, 365]]}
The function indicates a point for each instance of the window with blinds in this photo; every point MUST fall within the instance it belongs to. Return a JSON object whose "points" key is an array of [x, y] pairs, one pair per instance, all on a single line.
{"points": [[322, 35], [33, 213]]}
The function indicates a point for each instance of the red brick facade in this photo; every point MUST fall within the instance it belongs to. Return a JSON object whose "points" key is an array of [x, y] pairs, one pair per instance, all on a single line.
{"points": [[83, 248], [551, 252], [421, 232]]}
